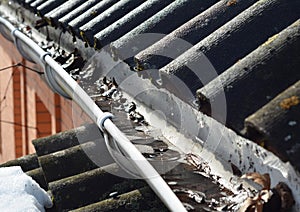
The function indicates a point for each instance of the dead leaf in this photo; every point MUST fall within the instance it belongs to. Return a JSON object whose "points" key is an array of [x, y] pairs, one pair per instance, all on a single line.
{"points": [[263, 180], [286, 195], [231, 2]]}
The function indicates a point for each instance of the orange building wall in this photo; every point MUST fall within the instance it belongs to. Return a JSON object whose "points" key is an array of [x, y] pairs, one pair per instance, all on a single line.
{"points": [[29, 109], [7, 146]]}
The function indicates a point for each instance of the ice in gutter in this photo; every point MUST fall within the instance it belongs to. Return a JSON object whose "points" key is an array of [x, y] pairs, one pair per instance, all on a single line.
{"points": [[224, 145]]}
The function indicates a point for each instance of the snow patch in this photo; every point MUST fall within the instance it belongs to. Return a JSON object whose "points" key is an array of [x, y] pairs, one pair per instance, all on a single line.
{"points": [[19, 192]]}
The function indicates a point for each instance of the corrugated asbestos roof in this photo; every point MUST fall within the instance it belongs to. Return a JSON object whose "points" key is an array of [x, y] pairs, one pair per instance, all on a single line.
{"points": [[62, 166], [254, 46], [69, 166]]}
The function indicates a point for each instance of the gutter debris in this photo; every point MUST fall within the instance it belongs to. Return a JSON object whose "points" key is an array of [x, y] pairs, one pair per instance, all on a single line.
{"points": [[252, 191]]}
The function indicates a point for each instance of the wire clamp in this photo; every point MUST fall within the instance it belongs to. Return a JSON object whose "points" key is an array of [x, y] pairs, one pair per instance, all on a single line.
{"points": [[102, 119], [42, 56], [13, 32]]}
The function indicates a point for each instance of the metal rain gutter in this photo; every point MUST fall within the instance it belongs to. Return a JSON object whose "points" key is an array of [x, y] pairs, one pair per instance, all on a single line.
{"points": [[60, 82]]}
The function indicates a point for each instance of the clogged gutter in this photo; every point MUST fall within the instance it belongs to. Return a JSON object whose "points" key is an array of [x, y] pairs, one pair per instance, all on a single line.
{"points": [[257, 195], [216, 161]]}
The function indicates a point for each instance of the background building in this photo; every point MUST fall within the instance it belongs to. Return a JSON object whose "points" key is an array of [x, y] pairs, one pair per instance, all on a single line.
{"points": [[29, 108]]}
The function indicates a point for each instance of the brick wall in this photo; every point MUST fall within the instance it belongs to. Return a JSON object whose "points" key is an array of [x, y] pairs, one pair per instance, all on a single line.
{"points": [[29, 109], [18, 102], [7, 146]]}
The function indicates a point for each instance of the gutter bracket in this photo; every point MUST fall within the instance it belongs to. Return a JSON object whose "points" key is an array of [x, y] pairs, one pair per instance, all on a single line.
{"points": [[102, 119]]}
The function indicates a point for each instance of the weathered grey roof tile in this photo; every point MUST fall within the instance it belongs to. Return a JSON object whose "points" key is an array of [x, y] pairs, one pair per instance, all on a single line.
{"points": [[128, 22], [234, 40], [68, 162], [162, 22], [26, 1], [106, 18], [64, 140], [38, 175], [85, 188], [34, 4], [27, 162], [276, 125], [89, 15], [142, 199], [192, 31], [54, 15], [49, 5], [63, 21], [263, 73]]}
